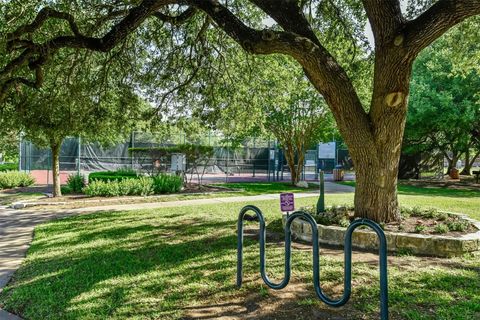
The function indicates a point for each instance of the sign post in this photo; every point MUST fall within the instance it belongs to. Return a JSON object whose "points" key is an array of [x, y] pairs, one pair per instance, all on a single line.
{"points": [[321, 198], [287, 203]]}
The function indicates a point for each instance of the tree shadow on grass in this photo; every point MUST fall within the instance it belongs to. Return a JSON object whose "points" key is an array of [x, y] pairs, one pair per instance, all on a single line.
{"points": [[438, 192], [92, 282], [124, 266]]}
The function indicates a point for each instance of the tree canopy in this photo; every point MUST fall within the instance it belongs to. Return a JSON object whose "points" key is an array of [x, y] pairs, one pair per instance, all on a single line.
{"points": [[444, 108], [179, 42]]}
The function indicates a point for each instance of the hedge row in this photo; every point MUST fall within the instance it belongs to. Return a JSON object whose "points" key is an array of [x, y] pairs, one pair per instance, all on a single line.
{"points": [[181, 148], [8, 167], [112, 175], [13, 179], [142, 186]]}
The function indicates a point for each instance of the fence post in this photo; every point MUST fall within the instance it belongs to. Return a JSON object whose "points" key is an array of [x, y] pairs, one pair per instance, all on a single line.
{"points": [[20, 153], [79, 160], [132, 144]]}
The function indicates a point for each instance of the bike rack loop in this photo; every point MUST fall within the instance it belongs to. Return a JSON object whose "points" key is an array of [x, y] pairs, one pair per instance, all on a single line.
{"points": [[347, 284]]}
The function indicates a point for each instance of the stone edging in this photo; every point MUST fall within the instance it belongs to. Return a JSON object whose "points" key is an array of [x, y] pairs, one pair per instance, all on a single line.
{"points": [[418, 244]]}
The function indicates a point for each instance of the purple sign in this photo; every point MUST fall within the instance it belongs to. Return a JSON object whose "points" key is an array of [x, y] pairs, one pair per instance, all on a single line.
{"points": [[287, 202]]}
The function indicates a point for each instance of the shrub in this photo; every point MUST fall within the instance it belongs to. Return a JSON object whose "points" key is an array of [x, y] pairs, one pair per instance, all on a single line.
{"points": [[416, 211], [336, 215], [66, 190], [142, 186], [8, 167], [419, 228], [13, 179], [441, 228], [117, 175], [430, 213], [76, 182], [164, 183], [458, 225]]}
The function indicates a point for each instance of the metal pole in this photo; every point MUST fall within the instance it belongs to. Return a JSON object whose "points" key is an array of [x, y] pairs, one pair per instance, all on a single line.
{"points": [[226, 165], [20, 153], [275, 160], [79, 155], [321, 198], [268, 160], [253, 158], [132, 157]]}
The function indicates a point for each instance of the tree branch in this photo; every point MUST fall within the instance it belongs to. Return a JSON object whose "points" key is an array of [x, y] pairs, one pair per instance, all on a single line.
{"points": [[328, 77], [434, 22], [176, 20], [289, 16], [385, 18], [37, 54]]}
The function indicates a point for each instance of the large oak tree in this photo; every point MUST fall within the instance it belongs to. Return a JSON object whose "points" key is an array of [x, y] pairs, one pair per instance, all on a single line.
{"points": [[373, 132]]}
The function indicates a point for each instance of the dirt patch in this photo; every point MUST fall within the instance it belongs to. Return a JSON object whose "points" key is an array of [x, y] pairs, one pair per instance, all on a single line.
{"points": [[413, 220], [294, 302], [450, 226]]}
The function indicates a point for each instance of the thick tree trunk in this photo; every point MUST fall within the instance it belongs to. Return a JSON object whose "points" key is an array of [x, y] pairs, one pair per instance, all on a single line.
{"points": [[375, 144], [467, 168], [376, 192], [452, 162], [55, 147]]}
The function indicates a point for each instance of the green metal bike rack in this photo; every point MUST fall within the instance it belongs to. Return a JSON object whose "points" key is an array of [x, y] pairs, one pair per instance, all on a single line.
{"points": [[347, 284]]}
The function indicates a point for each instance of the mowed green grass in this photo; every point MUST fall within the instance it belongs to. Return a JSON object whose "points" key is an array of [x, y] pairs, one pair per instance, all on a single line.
{"points": [[178, 263], [254, 188]]}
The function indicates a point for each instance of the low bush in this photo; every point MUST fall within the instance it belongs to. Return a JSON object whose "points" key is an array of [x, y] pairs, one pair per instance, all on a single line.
{"points": [[441, 228], [66, 190], [335, 215], [458, 225], [117, 175], [13, 179], [8, 167], [76, 182], [142, 186], [164, 183]]}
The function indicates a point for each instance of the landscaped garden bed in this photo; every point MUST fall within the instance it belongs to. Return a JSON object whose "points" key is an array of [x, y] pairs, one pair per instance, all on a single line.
{"points": [[420, 231]]}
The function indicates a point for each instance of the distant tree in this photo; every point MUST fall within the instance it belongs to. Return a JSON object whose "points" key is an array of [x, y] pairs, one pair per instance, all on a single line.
{"points": [[273, 98], [444, 107], [9, 140]]}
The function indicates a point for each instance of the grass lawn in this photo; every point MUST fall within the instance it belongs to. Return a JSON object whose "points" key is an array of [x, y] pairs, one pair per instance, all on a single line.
{"points": [[254, 188], [180, 263], [240, 189]]}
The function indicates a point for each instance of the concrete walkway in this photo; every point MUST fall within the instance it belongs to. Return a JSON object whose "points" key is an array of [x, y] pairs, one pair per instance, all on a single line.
{"points": [[16, 226]]}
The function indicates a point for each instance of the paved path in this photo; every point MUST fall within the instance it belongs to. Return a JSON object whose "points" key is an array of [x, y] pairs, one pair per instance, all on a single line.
{"points": [[16, 226]]}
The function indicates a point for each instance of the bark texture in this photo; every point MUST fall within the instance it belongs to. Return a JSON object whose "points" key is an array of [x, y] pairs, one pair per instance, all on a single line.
{"points": [[55, 148]]}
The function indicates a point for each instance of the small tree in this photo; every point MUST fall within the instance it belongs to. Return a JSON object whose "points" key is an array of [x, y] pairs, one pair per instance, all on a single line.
{"points": [[273, 99], [75, 102]]}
